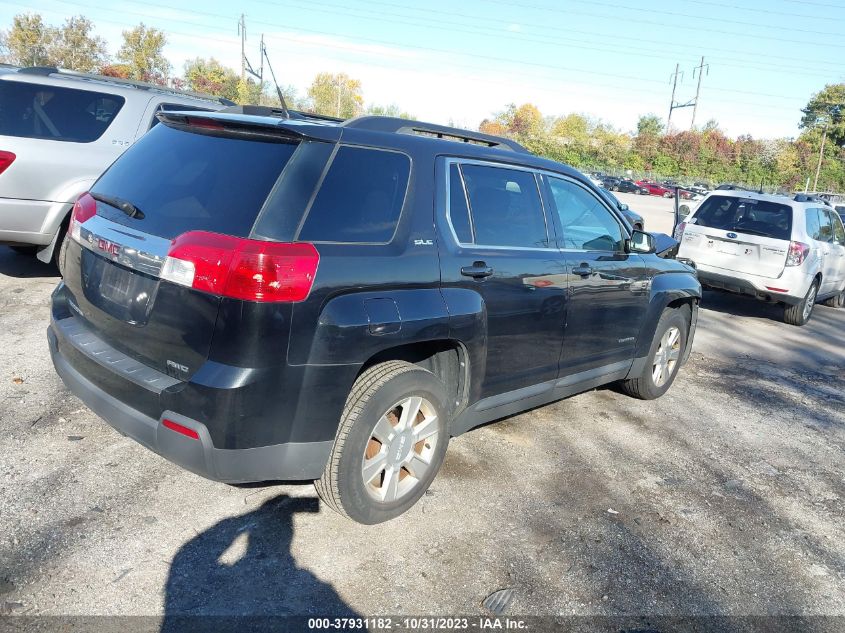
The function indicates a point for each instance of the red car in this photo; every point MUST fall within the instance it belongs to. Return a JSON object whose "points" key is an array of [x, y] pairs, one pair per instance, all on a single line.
{"points": [[656, 190]]}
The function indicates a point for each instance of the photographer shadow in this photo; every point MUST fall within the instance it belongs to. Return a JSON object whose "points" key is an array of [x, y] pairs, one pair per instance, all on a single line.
{"points": [[240, 574]]}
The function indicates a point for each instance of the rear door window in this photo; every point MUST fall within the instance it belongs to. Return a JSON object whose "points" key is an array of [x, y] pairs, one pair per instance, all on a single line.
{"points": [[505, 206], [55, 113], [746, 215], [819, 226], [360, 199], [189, 181], [838, 228]]}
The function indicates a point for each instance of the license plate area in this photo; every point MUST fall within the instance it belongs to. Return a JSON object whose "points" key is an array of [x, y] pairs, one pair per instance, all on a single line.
{"points": [[729, 248], [121, 292]]}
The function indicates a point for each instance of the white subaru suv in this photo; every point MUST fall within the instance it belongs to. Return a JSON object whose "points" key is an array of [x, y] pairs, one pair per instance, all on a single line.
{"points": [[59, 130], [775, 248]]}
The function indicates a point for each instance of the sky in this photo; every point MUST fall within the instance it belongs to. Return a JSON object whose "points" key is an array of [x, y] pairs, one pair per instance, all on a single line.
{"points": [[460, 62]]}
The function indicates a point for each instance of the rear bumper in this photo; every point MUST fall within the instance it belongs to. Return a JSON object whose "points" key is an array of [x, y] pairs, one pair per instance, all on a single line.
{"points": [[795, 281], [288, 461]]}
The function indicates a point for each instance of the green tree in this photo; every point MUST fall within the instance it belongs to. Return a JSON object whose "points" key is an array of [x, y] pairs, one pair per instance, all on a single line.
{"points": [[27, 42], [336, 95], [649, 125], [74, 46], [826, 109], [391, 110], [143, 52]]}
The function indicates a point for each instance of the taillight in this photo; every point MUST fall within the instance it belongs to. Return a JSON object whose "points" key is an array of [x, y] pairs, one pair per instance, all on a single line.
{"points": [[798, 252], [239, 268], [84, 209], [679, 231], [6, 159]]}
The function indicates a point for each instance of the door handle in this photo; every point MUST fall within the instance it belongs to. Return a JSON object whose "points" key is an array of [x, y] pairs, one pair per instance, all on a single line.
{"points": [[478, 270], [584, 270]]}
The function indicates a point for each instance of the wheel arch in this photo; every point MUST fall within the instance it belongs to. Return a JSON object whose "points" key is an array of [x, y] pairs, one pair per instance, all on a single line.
{"points": [[448, 359]]}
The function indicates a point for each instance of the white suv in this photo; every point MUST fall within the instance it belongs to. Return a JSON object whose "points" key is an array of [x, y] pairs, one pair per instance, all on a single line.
{"points": [[787, 250], [59, 130]]}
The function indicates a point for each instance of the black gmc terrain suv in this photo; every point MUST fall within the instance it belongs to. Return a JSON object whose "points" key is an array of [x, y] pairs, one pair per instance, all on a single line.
{"points": [[257, 297]]}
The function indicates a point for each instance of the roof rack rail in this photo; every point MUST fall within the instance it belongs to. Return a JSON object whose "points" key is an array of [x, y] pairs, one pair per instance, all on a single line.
{"points": [[46, 71], [408, 126], [808, 197]]}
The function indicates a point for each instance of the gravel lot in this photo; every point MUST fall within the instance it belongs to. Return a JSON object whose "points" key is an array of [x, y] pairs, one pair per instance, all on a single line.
{"points": [[722, 498]]}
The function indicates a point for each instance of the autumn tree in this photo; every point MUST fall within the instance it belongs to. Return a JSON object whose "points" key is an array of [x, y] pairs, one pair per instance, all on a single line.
{"points": [[336, 95], [209, 76], [143, 52], [74, 46]]}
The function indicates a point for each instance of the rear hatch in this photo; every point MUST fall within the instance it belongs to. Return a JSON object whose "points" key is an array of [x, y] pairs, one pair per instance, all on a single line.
{"points": [[173, 181], [738, 234]]}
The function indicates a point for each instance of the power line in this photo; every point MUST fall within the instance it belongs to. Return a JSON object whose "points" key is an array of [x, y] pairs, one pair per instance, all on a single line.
{"points": [[311, 6], [521, 73], [769, 11], [677, 26], [443, 51]]}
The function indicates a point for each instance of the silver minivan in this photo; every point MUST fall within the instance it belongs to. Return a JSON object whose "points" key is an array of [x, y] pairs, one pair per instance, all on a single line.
{"points": [[776, 248], [59, 130]]}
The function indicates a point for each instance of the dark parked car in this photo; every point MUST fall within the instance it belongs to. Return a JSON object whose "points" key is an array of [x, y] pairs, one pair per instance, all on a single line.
{"points": [[624, 185], [634, 219], [265, 298]]}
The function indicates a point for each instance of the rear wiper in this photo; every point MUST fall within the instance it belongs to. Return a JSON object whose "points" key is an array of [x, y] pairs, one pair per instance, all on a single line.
{"points": [[119, 203]]}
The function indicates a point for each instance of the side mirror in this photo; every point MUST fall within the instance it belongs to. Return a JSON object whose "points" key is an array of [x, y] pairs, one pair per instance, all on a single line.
{"points": [[641, 242], [683, 211], [623, 206]]}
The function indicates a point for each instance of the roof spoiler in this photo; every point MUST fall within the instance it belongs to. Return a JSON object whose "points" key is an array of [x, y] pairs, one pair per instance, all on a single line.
{"points": [[408, 126]]}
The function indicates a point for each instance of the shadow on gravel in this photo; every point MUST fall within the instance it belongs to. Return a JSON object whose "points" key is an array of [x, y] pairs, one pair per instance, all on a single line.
{"points": [[242, 568], [24, 266]]}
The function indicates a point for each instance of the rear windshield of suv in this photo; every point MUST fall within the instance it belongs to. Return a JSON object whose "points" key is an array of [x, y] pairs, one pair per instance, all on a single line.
{"points": [[746, 215], [54, 113], [189, 181]]}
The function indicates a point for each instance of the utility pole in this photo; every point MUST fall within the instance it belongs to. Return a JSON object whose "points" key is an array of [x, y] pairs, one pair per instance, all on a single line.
{"points": [[821, 157], [242, 33], [672, 100], [674, 105], [700, 68]]}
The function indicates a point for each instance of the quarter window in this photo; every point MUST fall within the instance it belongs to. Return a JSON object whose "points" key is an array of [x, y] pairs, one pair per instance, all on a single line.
{"points": [[55, 113], [585, 222], [360, 199], [505, 207]]}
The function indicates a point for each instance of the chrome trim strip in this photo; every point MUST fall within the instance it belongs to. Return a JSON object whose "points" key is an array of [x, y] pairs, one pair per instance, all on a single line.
{"points": [[127, 247]]}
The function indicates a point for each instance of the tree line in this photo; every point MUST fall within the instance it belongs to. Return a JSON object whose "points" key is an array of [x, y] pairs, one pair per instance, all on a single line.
{"points": [[704, 153]]}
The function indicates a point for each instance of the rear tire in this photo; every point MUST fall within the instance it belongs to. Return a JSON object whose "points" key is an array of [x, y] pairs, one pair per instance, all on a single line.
{"points": [[836, 301], [390, 444], [664, 357], [800, 313], [59, 250]]}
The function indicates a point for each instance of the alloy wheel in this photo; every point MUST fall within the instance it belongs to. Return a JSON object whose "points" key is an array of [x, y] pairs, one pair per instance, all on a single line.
{"points": [[400, 449], [666, 356]]}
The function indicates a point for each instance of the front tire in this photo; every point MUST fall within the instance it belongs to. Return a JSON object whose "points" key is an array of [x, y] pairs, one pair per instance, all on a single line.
{"points": [[390, 444], [664, 357], [800, 313]]}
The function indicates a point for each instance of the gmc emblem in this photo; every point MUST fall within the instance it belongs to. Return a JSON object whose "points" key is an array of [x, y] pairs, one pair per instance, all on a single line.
{"points": [[108, 247]]}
